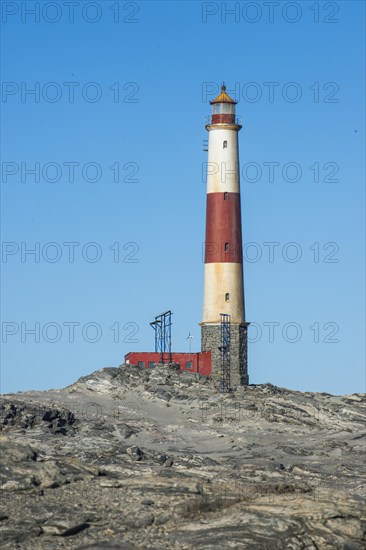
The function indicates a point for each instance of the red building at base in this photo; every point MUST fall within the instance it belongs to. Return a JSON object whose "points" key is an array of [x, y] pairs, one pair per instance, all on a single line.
{"points": [[191, 362]]}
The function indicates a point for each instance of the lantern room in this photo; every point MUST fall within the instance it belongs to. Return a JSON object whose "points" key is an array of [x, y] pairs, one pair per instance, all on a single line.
{"points": [[223, 108]]}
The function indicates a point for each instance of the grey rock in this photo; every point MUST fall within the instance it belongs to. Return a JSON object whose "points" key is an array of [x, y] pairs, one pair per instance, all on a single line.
{"points": [[142, 521], [281, 469], [18, 532], [65, 527], [114, 545]]}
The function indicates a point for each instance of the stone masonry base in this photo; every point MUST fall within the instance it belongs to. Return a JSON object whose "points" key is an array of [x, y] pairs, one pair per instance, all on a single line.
{"points": [[211, 341]]}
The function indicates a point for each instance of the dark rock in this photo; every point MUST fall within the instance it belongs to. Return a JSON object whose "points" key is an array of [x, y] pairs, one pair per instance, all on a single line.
{"points": [[162, 394], [147, 502], [135, 452], [174, 366], [29, 417]]}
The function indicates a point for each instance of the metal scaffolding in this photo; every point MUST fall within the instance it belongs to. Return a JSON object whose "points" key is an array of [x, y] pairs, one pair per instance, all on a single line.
{"points": [[225, 353], [162, 326]]}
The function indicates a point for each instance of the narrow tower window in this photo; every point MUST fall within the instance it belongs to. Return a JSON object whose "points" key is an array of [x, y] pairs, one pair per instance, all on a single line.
{"points": [[227, 247], [224, 145], [226, 196], [227, 297]]}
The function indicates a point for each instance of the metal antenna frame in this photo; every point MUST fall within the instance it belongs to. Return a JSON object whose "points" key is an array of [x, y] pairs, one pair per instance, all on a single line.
{"points": [[225, 353], [162, 326]]}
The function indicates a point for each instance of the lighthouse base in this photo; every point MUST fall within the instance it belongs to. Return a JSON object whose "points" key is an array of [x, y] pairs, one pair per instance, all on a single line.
{"points": [[211, 341]]}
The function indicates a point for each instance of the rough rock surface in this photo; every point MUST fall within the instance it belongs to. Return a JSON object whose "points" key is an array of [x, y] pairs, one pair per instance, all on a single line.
{"points": [[132, 459]]}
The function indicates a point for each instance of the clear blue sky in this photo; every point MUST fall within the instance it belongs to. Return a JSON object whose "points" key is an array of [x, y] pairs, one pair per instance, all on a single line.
{"points": [[162, 58]]}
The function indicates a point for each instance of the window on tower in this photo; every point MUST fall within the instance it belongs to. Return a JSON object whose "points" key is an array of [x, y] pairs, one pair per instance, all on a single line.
{"points": [[224, 145], [226, 196], [227, 297], [227, 247]]}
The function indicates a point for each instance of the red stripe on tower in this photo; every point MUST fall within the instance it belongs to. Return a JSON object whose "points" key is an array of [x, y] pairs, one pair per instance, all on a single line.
{"points": [[223, 228]]}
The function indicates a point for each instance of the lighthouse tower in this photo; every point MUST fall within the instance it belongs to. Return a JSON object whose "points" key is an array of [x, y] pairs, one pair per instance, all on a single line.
{"points": [[223, 301]]}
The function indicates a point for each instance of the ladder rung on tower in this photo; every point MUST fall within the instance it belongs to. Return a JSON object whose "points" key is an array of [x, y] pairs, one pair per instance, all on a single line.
{"points": [[225, 353]]}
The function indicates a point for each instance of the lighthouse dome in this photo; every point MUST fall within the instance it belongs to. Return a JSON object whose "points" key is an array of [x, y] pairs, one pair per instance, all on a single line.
{"points": [[223, 97]]}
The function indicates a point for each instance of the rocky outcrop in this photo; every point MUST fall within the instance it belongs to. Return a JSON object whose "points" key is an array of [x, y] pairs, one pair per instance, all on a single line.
{"points": [[134, 459]]}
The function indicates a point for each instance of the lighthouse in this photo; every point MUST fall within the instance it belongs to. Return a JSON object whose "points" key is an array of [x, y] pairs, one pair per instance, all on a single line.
{"points": [[224, 328]]}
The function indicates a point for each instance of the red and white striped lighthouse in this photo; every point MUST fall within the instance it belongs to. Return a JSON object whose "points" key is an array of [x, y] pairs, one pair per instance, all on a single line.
{"points": [[223, 270]]}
